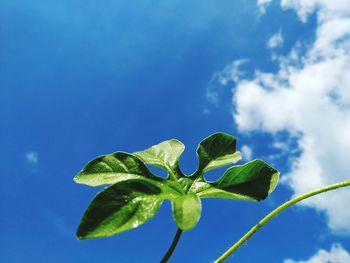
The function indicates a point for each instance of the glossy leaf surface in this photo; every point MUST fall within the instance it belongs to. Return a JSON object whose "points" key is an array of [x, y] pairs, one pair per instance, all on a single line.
{"points": [[252, 181], [217, 150], [165, 155], [136, 194], [120, 207], [186, 211], [113, 168]]}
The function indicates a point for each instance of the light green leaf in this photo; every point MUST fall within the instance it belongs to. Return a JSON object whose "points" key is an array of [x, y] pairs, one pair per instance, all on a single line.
{"points": [[165, 155], [113, 168], [186, 211], [217, 150], [120, 207], [252, 181]]}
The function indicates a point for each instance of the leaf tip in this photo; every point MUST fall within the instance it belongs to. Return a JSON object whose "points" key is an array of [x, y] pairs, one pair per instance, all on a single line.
{"points": [[79, 235], [274, 181], [84, 233], [76, 179]]}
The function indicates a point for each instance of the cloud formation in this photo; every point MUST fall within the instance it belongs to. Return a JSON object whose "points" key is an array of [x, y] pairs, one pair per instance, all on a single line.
{"points": [[32, 157], [262, 4], [337, 254], [246, 152], [275, 40], [309, 98], [231, 72], [326, 9]]}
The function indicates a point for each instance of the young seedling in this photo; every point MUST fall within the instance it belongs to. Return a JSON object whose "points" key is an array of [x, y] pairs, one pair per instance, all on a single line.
{"points": [[135, 194]]}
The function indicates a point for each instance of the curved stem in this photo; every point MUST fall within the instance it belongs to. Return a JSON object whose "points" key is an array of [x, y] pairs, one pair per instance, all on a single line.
{"points": [[172, 246], [274, 213]]}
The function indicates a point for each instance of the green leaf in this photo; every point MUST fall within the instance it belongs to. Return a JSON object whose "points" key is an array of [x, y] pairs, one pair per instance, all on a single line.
{"points": [[136, 194], [186, 211], [113, 168], [217, 150], [165, 155], [252, 181], [120, 207]]}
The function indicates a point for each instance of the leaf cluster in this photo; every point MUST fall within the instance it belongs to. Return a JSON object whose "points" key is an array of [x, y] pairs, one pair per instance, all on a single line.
{"points": [[134, 194]]}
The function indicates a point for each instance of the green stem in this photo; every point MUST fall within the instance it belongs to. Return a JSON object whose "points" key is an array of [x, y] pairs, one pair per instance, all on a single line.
{"points": [[274, 213], [172, 246], [171, 174]]}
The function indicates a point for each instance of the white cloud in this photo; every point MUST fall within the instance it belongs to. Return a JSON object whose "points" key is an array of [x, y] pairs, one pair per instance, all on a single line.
{"points": [[326, 9], [262, 4], [337, 254], [246, 152], [309, 97], [231, 72], [275, 40], [32, 157]]}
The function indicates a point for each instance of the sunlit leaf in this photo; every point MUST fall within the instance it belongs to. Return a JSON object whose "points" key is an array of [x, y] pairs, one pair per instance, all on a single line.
{"points": [[252, 181], [113, 168], [165, 155], [186, 211], [120, 207], [136, 194]]}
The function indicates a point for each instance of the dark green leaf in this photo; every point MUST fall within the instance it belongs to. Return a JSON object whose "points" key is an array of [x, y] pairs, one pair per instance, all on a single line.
{"points": [[120, 207], [113, 168], [217, 150], [186, 211], [252, 181]]}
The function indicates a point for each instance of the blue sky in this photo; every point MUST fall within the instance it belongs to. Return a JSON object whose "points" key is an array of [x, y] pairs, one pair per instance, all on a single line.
{"points": [[83, 78]]}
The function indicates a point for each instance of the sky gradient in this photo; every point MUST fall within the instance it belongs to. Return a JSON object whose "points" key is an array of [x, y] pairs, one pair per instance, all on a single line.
{"points": [[80, 79]]}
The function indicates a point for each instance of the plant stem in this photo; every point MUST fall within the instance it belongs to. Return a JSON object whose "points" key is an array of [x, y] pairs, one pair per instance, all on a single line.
{"points": [[274, 213], [172, 246]]}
